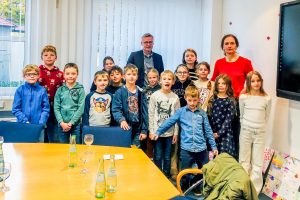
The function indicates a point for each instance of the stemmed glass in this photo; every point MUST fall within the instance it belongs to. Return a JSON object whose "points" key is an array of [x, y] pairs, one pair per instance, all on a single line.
{"points": [[84, 159], [4, 174], [88, 140]]}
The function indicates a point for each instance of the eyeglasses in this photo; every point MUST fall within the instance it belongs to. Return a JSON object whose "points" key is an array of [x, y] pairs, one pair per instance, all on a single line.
{"points": [[148, 42], [30, 74], [182, 73]]}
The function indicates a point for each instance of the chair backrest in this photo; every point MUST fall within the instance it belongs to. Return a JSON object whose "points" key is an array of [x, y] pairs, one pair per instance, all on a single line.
{"points": [[108, 136], [15, 132]]}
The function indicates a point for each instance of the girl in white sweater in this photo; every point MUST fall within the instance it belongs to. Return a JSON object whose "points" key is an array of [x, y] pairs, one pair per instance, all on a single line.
{"points": [[255, 107]]}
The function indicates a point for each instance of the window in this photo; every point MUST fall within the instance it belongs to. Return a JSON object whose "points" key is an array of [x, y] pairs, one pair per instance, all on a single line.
{"points": [[117, 27], [12, 44]]}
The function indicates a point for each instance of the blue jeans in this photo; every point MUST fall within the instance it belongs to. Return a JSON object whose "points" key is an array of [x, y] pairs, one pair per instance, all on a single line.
{"points": [[135, 134], [64, 137], [51, 132], [187, 159], [162, 154]]}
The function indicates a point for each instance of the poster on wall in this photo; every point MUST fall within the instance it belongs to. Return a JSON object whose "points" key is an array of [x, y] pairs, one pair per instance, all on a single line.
{"points": [[283, 179]]}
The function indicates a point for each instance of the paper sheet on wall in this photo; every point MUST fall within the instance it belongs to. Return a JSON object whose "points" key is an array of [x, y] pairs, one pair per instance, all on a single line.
{"points": [[268, 153], [273, 181], [283, 180]]}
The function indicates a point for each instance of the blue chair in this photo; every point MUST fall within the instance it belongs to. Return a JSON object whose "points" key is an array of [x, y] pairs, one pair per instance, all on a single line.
{"points": [[15, 132], [108, 136]]}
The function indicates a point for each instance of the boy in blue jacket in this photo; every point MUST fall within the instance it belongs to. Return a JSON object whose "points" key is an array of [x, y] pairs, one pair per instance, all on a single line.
{"points": [[129, 107], [31, 103], [195, 130]]}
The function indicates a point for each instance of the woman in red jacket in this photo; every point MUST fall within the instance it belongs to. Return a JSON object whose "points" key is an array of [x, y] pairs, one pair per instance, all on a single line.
{"points": [[237, 68]]}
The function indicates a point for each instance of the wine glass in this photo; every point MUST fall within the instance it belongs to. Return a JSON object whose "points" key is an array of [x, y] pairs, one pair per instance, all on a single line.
{"points": [[4, 174], [84, 159], [88, 140]]}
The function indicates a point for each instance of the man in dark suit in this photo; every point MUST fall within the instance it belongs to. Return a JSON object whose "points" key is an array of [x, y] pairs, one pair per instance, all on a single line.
{"points": [[146, 59]]}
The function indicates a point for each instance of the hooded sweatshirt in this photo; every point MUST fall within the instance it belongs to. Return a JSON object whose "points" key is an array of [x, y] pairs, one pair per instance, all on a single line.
{"points": [[69, 104]]}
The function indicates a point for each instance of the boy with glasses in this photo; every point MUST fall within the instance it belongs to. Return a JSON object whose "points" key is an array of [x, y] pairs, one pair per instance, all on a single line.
{"points": [[31, 104]]}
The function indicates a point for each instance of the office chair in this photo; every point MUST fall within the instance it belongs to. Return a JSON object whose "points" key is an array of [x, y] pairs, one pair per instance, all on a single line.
{"points": [[15, 132], [108, 136]]}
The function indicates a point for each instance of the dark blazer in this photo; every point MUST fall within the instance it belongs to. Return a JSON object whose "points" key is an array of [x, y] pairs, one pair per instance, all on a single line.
{"points": [[137, 58]]}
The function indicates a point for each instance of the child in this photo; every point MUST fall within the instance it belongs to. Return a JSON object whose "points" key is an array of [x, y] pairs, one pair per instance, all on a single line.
{"points": [[195, 130], [115, 76], [98, 103], [31, 103], [129, 106], [190, 59], [255, 108], [221, 110], [69, 105], [162, 105], [153, 83], [182, 81], [51, 78], [108, 63], [204, 85]]}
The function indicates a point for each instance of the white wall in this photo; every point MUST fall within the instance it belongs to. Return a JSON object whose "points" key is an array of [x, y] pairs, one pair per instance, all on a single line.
{"points": [[252, 22]]}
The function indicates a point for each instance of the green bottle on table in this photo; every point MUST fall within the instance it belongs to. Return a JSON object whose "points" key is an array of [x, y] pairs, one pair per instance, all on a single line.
{"points": [[100, 181], [73, 152], [111, 179]]}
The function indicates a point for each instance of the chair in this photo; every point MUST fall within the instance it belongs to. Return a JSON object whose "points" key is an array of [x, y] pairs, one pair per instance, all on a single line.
{"points": [[108, 136], [15, 132], [187, 195], [224, 177]]}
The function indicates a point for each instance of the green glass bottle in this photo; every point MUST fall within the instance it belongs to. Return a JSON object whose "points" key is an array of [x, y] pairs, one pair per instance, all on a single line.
{"points": [[73, 152], [111, 179], [100, 181]]}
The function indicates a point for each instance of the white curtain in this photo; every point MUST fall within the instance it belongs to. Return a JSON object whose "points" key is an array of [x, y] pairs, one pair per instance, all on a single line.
{"points": [[117, 27], [85, 31], [66, 24]]}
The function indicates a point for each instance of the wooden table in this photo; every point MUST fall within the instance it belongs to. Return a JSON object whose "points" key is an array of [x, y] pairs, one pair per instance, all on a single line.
{"points": [[40, 171]]}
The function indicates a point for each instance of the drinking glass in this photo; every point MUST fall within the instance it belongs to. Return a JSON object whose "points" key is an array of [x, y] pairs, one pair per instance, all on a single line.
{"points": [[84, 159], [4, 174], [88, 140]]}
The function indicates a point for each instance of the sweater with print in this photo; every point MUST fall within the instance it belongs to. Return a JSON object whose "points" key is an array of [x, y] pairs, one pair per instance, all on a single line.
{"points": [[97, 109], [161, 107]]}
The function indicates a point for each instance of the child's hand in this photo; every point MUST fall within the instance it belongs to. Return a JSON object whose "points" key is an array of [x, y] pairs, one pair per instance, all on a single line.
{"points": [[153, 136], [216, 136], [65, 127], [70, 124], [174, 139], [216, 152], [124, 125], [142, 136]]}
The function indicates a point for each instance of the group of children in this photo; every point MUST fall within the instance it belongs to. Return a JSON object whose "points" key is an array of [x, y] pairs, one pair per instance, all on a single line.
{"points": [[184, 106]]}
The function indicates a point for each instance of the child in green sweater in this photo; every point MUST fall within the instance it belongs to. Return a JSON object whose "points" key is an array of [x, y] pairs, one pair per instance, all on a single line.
{"points": [[69, 105]]}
